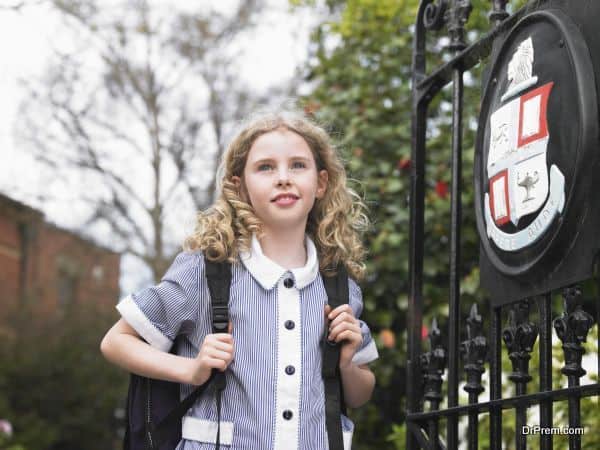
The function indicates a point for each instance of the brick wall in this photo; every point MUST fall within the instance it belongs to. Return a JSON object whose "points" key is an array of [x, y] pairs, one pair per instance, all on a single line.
{"points": [[10, 258], [51, 267]]}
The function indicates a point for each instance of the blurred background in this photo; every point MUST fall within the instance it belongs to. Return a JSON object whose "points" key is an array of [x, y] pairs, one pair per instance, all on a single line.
{"points": [[113, 116]]}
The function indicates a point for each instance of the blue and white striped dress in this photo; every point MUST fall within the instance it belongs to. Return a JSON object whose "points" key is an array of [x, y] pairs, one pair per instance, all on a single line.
{"points": [[274, 397]]}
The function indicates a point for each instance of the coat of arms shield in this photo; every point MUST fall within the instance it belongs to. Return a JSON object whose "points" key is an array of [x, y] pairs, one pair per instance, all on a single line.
{"points": [[520, 182]]}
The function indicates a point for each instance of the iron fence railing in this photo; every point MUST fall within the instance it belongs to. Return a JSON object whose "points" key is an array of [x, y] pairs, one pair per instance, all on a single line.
{"points": [[425, 370]]}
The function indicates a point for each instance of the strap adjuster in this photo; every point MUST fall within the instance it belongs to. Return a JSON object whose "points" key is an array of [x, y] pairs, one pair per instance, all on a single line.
{"points": [[220, 317]]}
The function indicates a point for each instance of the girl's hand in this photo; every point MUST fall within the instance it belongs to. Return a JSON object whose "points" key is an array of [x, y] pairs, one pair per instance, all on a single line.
{"points": [[344, 327], [216, 352]]}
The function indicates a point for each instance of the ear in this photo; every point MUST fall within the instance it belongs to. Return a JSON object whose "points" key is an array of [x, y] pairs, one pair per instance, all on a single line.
{"points": [[239, 184], [322, 180]]}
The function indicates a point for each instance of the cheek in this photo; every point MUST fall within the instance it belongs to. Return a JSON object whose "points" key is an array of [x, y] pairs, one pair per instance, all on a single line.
{"points": [[253, 190]]}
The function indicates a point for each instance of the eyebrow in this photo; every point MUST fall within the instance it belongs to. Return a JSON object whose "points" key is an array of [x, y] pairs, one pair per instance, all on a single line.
{"points": [[293, 158]]}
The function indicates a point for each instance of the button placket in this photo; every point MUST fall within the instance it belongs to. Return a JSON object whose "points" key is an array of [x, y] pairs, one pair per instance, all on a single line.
{"points": [[289, 362]]}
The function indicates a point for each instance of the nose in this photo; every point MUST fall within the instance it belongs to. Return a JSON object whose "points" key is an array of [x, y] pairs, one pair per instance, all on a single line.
{"points": [[283, 179]]}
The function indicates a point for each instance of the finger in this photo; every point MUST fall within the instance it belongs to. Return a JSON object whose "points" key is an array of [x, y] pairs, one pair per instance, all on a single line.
{"points": [[340, 309], [350, 336], [215, 363], [342, 327], [343, 317], [223, 346], [213, 353], [327, 309], [336, 333], [221, 337], [230, 327]]}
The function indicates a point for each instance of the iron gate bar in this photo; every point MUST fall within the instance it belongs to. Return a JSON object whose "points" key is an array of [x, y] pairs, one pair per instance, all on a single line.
{"points": [[474, 351], [433, 364], [545, 369], [572, 328], [495, 378], [457, 15], [519, 337], [587, 390], [417, 189], [455, 220]]}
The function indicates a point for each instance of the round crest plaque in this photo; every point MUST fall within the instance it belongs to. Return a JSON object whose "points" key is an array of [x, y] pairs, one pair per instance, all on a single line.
{"points": [[537, 127]]}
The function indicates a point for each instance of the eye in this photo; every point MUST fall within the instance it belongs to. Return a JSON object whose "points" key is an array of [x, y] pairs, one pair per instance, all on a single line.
{"points": [[264, 167], [298, 165]]}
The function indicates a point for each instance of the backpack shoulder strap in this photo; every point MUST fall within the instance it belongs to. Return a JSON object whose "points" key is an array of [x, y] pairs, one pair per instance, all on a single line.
{"points": [[337, 294], [218, 277]]}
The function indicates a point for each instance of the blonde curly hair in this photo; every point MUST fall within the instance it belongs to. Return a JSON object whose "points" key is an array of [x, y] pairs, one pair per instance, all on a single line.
{"points": [[335, 223]]}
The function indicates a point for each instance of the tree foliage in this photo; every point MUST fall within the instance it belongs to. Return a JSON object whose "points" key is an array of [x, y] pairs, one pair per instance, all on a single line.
{"points": [[57, 390]]}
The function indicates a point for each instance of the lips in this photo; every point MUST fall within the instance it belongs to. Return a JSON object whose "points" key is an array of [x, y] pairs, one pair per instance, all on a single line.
{"points": [[285, 197]]}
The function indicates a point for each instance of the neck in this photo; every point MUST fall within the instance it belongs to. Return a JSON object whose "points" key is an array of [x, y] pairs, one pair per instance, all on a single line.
{"points": [[285, 247]]}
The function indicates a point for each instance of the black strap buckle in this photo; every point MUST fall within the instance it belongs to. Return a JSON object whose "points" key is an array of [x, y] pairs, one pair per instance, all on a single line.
{"points": [[220, 318]]}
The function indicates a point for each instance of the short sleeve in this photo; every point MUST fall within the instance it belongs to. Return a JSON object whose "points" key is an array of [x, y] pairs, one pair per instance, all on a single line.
{"points": [[160, 313], [368, 350]]}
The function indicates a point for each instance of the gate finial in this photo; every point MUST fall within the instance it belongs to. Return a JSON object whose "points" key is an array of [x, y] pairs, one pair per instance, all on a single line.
{"points": [[498, 13], [434, 363], [474, 350], [572, 328], [519, 336], [456, 17]]}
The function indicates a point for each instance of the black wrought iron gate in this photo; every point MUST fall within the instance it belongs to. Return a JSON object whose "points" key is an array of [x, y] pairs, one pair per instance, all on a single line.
{"points": [[528, 255]]}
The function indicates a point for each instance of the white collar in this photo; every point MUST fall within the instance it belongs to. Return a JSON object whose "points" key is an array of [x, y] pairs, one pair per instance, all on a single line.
{"points": [[267, 272]]}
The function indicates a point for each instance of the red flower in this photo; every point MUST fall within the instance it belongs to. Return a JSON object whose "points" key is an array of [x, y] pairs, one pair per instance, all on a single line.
{"points": [[441, 189], [424, 331], [404, 163]]}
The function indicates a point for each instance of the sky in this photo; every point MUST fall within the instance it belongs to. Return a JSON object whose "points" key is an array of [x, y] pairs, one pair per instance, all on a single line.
{"points": [[27, 38]]}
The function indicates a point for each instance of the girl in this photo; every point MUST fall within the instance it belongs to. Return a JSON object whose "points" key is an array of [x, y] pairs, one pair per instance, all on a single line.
{"points": [[283, 214]]}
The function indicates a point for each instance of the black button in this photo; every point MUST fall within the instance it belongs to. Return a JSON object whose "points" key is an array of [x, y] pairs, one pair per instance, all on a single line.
{"points": [[290, 370], [289, 324], [287, 414], [288, 282]]}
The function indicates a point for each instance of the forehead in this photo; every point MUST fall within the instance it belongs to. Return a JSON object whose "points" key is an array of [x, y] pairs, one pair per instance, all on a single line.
{"points": [[279, 143]]}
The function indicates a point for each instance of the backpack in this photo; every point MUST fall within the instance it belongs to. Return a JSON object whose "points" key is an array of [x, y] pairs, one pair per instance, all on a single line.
{"points": [[154, 409]]}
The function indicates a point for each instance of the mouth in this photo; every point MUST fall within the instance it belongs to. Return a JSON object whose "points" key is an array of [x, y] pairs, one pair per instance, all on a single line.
{"points": [[285, 197], [285, 200]]}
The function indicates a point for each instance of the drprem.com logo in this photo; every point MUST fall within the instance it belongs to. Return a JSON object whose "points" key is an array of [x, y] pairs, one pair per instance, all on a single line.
{"points": [[536, 429]]}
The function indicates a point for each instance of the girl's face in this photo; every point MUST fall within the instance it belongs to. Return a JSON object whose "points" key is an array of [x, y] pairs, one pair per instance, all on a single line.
{"points": [[281, 181]]}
